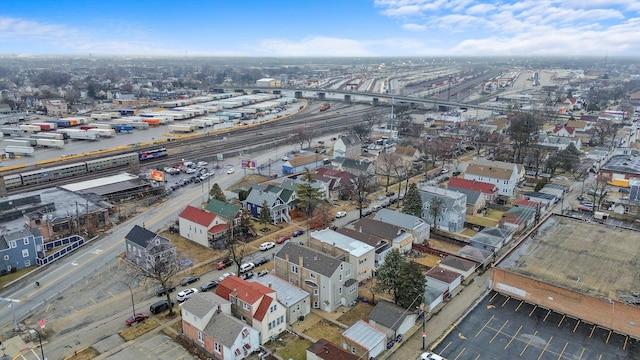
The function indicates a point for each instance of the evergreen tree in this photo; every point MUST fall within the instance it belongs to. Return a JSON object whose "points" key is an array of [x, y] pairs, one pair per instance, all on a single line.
{"points": [[265, 214], [388, 275], [411, 286], [308, 195], [412, 202], [217, 193]]}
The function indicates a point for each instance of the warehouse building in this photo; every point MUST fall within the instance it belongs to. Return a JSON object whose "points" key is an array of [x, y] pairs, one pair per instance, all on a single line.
{"points": [[571, 267]]}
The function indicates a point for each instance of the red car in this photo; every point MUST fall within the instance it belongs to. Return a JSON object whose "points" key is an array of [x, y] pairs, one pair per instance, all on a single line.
{"points": [[140, 317], [283, 239], [224, 264]]}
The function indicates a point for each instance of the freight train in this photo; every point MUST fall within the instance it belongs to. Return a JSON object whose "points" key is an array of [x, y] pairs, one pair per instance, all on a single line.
{"points": [[63, 171]]}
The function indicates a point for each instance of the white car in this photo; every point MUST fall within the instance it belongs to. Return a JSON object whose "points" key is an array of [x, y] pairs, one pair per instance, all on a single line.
{"points": [[285, 158], [444, 170], [190, 171], [267, 245], [186, 294], [225, 275], [202, 163], [430, 356], [341, 214], [246, 267], [231, 171], [204, 176]]}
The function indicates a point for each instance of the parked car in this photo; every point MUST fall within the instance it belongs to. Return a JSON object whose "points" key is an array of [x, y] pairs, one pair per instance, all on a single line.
{"points": [[444, 171], [297, 233], [224, 276], [189, 280], [248, 266], [231, 171], [585, 208], [283, 239], [580, 197], [139, 317], [160, 290], [224, 264], [430, 356], [285, 158], [247, 275], [390, 193], [159, 306], [209, 285], [341, 214], [263, 273], [456, 173], [266, 245], [260, 261], [186, 294]]}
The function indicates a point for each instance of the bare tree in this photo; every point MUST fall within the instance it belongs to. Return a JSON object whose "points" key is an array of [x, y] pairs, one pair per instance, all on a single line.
{"points": [[436, 208], [386, 163], [363, 184], [233, 244], [401, 171], [362, 131], [298, 136], [161, 268], [598, 191]]}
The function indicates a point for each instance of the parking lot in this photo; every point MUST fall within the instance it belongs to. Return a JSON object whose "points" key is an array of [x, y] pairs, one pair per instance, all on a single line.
{"points": [[505, 328]]}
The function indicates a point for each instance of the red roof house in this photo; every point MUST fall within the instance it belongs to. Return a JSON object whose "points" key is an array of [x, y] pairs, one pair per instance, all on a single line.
{"points": [[490, 191]]}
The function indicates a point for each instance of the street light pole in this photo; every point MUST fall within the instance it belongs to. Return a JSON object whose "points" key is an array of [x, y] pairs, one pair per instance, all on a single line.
{"points": [[424, 334], [132, 303]]}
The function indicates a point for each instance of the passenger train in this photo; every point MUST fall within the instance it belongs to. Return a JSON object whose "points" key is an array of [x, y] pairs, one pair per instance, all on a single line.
{"points": [[63, 171]]}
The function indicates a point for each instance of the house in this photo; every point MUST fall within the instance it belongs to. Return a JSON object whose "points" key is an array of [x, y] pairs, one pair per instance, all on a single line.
{"points": [[490, 238], [461, 266], [476, 201], [225, 214], [557, 190], [207, 323], [278, 207], [348, 147], [408, 154], [357, 253], [323, 349], [488, 190], [529, 204], [504, 175], [445, 277], [579, 125], [558, 142], [382, 246], [255, 304], [517, 219], [433, 296], [394, 320], [413, 224], [329, 280], [195, 224], [19, 249], [452, 212], [563, 131], [355, 167], [398, 237], [543, 198], [296, 301], [56, 107], [145, 247], [480, 256], [364, 340], [338, 183], [299, 163]]}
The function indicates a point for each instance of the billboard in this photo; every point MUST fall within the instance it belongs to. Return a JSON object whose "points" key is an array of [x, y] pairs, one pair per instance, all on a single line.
{"points": [[157, 175], [248, 164]]}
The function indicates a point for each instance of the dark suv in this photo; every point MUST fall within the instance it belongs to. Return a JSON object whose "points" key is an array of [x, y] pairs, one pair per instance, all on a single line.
{"points": [[160, 290], [160, 306], [189, 280]]}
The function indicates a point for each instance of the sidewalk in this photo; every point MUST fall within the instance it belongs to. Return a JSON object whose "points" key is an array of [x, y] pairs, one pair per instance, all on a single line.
{"points": [[441, 324]]}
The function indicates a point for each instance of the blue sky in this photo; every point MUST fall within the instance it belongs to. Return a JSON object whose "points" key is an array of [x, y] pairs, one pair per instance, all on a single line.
{"points": [[350, 28]]}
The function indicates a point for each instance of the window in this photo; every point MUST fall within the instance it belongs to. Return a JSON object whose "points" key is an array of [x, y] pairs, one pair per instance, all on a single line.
{"points": [[238, 352], [245, 306], [245, 333], [340, 290], [312, 275], [353, 289], [353, 349], [25, 253], [273, 308], [315, 291], [200, 336], [340, 277], [12, 244], [294, 269], [217, 347], [341, 266], [316, 305], [270, 325], [6, 257], [26, 241]]}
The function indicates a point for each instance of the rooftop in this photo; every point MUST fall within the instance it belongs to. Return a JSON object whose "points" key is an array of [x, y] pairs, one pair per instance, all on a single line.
{"points": [[585, 257], [624, 164], [354, 247]]}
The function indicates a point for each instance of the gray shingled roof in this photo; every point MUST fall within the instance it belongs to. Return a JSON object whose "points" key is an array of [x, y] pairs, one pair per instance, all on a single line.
{"points": [[364, 334], [379, 228], [201, 303], [140, 236], [457, 263], [388, 314], [224, 328], [397, 218], [286, 293], [313, 260]]}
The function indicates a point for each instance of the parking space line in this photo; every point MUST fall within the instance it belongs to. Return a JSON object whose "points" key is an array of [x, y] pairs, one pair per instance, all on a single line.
{"points": [[499, 331], [109, 292], [94, 302], [168, 351], [477, 357], [576, 327], [592, 330], [561, 320], [446, 347], [518, 307], [513, 337], [485, 325], [528, 343], [582, 353], [506, 300], [608, 337], [546, 316], [545, 348], [534, 309], [494, 295], [460, 354], [563, 350]]}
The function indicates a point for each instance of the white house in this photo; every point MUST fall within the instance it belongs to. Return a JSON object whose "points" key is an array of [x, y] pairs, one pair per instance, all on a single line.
{"points": [[357, 253], [504, 175], [195, 224]]}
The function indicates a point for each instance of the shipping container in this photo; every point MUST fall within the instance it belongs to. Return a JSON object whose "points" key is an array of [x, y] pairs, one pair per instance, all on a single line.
{"points": [[30, 128], [48, 135], [184, 128], [140, 125], [12, 131], [102, 126], [103, 132], [122, 127], [20, 150], [44, 126], [50, 143], [83, 135], [87, 127], [17, 142], [152, 121]]}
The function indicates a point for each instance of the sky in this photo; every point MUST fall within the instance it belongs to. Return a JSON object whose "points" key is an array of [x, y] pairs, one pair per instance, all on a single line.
{"points": [[327, 28]]}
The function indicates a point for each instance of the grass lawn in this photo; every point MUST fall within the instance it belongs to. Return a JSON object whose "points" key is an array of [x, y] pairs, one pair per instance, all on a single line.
{"points": [[187, 249], [359, 312], [494, 214], [483, 221], [134, 331], [10, 276], [248, 181], [296, 349], [326, 330]]}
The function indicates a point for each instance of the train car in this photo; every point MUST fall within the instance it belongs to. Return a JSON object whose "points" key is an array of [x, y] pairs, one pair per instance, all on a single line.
{"points": [[127, 112], [113, 162], [55, 143], [53, 173], [153, 154], [12, 181]]}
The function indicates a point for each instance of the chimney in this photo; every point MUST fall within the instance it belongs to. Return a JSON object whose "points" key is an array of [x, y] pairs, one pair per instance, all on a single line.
{"points": [[219, 309], [286, 256], [235, 292], [270, 285]]}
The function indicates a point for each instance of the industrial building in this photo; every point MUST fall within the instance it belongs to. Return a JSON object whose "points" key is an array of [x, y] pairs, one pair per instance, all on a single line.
{"points": [[580, 269]]}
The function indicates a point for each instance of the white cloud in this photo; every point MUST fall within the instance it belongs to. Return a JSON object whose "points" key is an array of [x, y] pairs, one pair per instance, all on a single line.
{"points": [[480, 9], [414, 27]]}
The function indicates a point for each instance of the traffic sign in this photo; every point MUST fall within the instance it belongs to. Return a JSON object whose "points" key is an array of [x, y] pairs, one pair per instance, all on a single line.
{"points": [[42, 322], [424, 334]]}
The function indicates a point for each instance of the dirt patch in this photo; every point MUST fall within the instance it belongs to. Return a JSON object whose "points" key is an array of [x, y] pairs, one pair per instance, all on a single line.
{"points": [[248, 181], [444, 246], [134, 331], [189, 250], [84, 354], [325, 329], [359, 312]]}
